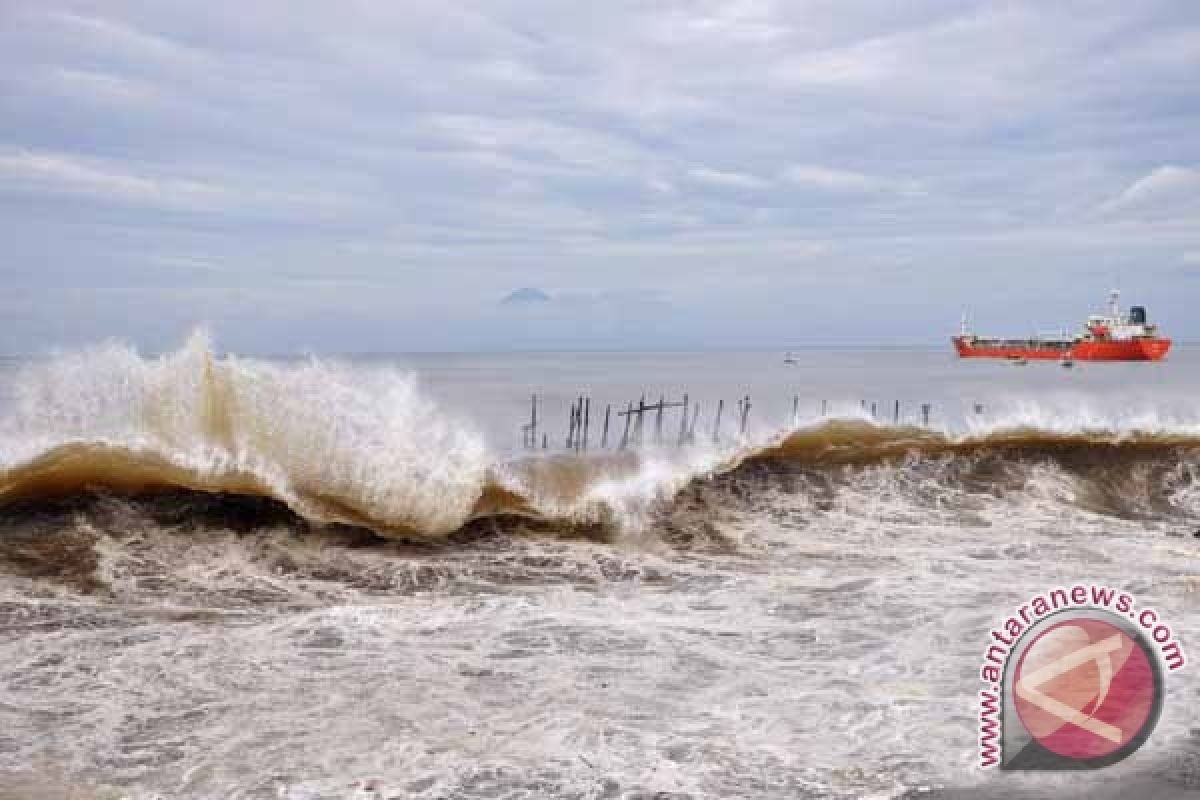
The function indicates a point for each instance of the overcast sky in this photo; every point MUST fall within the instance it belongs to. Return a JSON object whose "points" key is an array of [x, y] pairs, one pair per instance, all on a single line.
{"points": [[379, 175]]}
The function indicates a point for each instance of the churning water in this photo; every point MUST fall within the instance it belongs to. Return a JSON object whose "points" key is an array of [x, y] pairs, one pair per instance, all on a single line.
{"points": [[326, 578]]}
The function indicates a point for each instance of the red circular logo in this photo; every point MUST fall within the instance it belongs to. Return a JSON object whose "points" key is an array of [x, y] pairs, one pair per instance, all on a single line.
{"points": [[1084, 689]]}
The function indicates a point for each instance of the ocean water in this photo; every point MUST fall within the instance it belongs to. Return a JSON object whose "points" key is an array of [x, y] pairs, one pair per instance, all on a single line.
{"points": [[344, 577]]}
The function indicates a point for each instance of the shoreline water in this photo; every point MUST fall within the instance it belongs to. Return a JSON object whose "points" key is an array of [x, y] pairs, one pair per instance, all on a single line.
{"points": [[796, 615]]}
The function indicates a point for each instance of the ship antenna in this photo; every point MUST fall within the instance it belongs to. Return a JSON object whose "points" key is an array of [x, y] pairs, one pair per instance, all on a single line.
{"points": [[962, 327], [1114, 308]]}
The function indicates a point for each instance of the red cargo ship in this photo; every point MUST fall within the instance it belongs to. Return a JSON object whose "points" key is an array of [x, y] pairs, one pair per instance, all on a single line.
{"points": [[1105, 337]]}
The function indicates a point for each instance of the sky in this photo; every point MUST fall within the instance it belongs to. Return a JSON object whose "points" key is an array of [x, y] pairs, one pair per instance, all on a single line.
{"points": [[379, 176]]}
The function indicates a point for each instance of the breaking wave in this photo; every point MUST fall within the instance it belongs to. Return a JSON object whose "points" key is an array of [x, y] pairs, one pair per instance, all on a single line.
{"points": [[338, 443]]}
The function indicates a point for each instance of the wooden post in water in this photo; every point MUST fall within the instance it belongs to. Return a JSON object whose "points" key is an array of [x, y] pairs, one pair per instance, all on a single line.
{"points": [[683, 423], [979, 408], [578, 424], [628, 419], [658, 420], [896, 414], [824, 407], [745, 414], [587, 417], [637, 429], [571, 427], [925, 414], [533, 421], [604, 435], [543, 441], [717, 422], [578, 428], [692, 427], [874, 415], [795, 409]]}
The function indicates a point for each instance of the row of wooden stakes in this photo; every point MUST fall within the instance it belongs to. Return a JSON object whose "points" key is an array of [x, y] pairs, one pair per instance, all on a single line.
{"points": [[633, 429]]}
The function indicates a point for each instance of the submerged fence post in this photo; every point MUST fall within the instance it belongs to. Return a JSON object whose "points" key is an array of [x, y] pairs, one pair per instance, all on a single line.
{"points": [[604, 435], [658, 420], [637, 429], [683, 422], [896, 414], [587, 417], [745, 414], [628, 420], [692, 428], [824, 408], [544, 442], [925, 414], [717, 423], [795, 409], [533, 421], [571, 427]]}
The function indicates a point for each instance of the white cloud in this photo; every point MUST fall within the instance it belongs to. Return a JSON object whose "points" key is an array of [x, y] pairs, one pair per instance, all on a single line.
{"points": [[1167, 184], [826, 178], [540, 143], [574, 141], [98, 85], [727, 178], [125, 40], [57, 173], [54, 172]]}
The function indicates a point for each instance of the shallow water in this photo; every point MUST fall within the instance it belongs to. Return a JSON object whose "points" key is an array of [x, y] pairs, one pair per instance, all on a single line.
{"points": [[763, 617]]}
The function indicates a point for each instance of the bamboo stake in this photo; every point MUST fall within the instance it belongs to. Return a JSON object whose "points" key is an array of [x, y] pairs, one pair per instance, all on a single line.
{"points": [[683, 422], [658, 420], [587, 417], [628, 419], [637, 429], [571, 427]]}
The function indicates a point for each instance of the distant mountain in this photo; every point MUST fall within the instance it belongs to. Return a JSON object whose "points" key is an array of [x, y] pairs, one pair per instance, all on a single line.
{"points": [[525, 296]]}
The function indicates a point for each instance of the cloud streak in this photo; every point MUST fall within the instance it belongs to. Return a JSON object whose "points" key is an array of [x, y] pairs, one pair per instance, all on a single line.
{"points": [[715, 154]]}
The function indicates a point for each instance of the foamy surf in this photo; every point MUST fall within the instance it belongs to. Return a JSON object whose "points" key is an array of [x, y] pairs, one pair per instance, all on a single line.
{"points": [[688, 619], [341, 443]]}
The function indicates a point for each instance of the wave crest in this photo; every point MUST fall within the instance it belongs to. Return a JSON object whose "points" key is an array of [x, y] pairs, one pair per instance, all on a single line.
{"points": [[349, 444]]}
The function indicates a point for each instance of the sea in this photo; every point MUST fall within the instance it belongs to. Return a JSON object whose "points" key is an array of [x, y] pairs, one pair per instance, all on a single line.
{"points": [[226, 575]]}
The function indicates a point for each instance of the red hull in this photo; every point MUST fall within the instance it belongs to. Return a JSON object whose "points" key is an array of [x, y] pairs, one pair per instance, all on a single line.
{"points": [[1124, 350]]}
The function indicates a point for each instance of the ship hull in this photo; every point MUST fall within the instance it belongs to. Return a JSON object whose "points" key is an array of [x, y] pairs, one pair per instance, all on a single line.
{"points": [[1147, 349]]}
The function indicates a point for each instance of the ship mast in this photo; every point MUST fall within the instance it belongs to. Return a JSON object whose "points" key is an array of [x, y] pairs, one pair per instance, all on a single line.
{"points": [[1114, 308]]}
